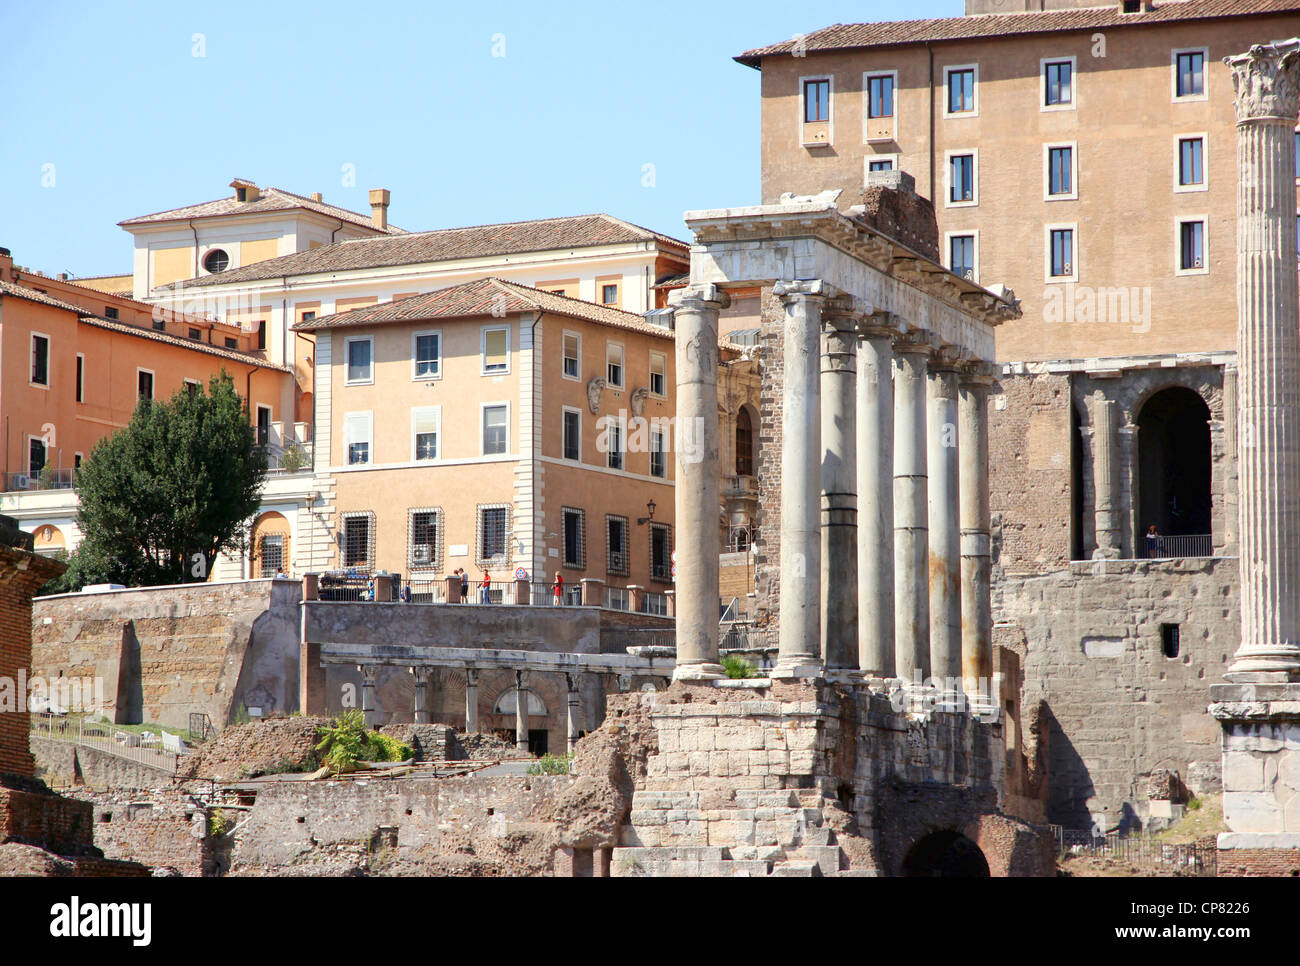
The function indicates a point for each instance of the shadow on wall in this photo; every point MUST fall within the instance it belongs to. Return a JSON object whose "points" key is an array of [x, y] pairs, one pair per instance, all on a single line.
{"points": [[129, 706], [1070, 786]]}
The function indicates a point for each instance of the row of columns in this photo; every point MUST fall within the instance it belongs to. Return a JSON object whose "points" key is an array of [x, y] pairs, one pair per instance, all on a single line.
{"points": [[423, 677], [875, 418]]}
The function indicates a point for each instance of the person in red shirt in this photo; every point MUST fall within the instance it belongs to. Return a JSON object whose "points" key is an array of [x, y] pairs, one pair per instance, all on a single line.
{"points": [[487, 586], [559, 590]]}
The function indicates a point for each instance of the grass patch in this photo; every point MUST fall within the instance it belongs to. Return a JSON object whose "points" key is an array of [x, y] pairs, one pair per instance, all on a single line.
{"points": [[551, 765]]}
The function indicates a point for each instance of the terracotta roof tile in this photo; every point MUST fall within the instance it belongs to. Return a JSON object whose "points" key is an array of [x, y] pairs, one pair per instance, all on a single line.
{"points": [[113, 325], [272, 199], [485, 296], [893, 33], [479, 241]]}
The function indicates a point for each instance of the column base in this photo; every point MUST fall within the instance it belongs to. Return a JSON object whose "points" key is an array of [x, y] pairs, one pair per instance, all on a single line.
{"points": [[698, 672], [1274, 665], [803, 669]]}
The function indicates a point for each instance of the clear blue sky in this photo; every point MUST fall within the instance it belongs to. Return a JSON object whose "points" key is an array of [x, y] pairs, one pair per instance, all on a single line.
{"points": [[587, 93]]}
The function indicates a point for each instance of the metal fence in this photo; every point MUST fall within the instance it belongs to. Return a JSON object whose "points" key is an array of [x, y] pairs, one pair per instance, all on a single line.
{"points": [[1178, 545], [1191, 859], [425, 591], [543, 595], [46, 479], [133, 746]]}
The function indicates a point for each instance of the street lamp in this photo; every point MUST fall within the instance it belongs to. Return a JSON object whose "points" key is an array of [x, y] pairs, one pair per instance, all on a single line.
{"points": [[642, 521]]}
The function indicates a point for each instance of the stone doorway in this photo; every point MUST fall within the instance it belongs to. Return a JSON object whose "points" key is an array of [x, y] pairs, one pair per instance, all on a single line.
{"points": [[945, 854]]}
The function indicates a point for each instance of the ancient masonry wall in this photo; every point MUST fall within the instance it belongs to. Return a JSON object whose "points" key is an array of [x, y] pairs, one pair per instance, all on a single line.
{"points": [[165, 652], [161, 830], [767, 539], [1117, 708], [1261, 777], [16, 587], [66, 763]]}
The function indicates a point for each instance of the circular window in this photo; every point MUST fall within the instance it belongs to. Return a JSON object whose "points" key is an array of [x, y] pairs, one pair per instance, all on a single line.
{"points": [[216, 260]]}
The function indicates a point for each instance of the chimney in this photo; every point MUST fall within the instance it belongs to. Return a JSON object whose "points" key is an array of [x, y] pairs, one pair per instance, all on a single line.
{"points": [[6, 266], [245, 190], [379, 207], [317, 196]]}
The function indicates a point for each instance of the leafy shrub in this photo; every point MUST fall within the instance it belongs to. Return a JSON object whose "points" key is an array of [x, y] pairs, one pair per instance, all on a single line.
{"points": [[219, 822], [738, 667], [382, 747], [343, 741]]}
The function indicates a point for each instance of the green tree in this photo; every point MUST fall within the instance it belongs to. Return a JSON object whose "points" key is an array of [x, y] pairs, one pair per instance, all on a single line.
{"points": [[163, 497]]}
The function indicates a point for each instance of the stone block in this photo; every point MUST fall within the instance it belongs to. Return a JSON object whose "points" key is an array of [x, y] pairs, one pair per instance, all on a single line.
{"points": [[1251, 812], [1243, 772]]}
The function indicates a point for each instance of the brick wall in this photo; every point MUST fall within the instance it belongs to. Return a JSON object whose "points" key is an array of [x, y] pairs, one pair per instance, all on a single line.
{"points": [[21, 574], [1259, 862], [35, 817]]}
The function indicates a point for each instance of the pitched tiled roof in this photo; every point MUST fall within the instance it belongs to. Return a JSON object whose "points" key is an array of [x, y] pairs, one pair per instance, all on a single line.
{"points": [[113, 325], [894, 33], [484, 296], [272, 199], [480, 241]]}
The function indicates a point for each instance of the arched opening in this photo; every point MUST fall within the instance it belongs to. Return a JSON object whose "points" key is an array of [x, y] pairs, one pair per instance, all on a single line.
{"points": [[744, 443], [269, 545], [48, 540], [945, 854], [1174, 469]]}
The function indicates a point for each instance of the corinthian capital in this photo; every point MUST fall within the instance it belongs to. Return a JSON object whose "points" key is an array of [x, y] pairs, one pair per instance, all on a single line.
{"points": [[1266, 81]]}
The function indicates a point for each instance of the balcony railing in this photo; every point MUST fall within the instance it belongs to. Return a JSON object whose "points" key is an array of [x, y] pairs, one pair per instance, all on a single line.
{"points": [[46, 479], [1177, 545]]}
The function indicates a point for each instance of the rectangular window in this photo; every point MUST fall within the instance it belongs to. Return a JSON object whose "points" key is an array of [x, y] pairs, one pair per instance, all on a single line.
{"points": [[658, 454], [496, 423], [572, 434], [961, 252], [961, 90], [609, 294], [357, 537], [40, 360], [614, 365], [658, 374], [270, 554], [144, 383], [1060, 170], [886, 165], [880, 96], [195, 334], [261, 335], [816, 100], [426, 348], [35, 455], [492, 533], [496, 351], [613, 443], [1191, 154], [425, 527], [425, 426], [661, 552], [81, 377], [356, 437], [360, 360], [961, 178], [575, 543], [616, 530], [231, 342], [110, 312], [1062, 252], [263, 425], [192, 387], [1058, 83], [1189, 73], [572, 355], [1191, 246]]}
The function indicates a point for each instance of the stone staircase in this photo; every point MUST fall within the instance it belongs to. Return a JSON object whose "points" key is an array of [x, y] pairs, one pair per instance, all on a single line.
{"points": [[739, 832]]}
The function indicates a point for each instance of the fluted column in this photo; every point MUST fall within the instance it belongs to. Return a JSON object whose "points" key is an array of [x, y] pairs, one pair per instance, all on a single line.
{"points": [[1104, 465], [422, 677], [698, 468], [875, 449], [521, 710], [943, 445], [1268, 364], [839, 498], [976, 558], [1230, 473], [799, 650], [911, 517]]}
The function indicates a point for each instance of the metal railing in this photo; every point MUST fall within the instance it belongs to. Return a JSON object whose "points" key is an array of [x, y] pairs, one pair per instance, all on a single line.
{"points": [[652, 603], [132, 746], [1177, 545], [428, 590], [543, 595], [496, 592], [47, 479], [1194, 858], [618, 598]]}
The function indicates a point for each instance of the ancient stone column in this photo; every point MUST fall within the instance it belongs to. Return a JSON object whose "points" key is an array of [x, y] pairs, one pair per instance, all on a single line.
{"points": [[799, 636], [1230, 475], [574, 710], [422, 677], [1268, 364], [368, 694], [1104, 469], [875, 450], [697, 467], [839, 497], [976, 558], [471, 701], [521, 710], [911, 516], [944, 508]]}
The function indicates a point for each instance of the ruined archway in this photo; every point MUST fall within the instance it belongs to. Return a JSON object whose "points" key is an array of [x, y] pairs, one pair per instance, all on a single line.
{"points": [[945, 854], [1174, 473]]}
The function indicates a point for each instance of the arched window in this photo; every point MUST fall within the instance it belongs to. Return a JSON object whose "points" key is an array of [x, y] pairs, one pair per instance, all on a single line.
{"points": [[507, 702], [1174, 471], [744, 443], [216, 261]]}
